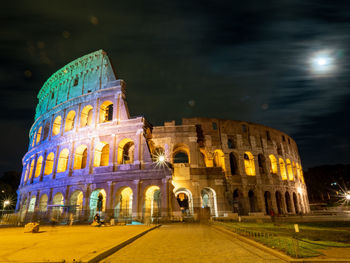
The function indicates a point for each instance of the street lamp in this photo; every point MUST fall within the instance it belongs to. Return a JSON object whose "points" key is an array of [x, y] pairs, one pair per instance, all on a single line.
{"points": [[6, 203]]}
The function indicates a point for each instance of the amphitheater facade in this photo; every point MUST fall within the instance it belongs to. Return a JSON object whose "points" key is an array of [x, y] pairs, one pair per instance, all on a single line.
{"points": [[88, 156]]}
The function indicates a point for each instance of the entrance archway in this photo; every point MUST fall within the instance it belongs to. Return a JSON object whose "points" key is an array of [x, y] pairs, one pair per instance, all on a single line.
{"points": [[295, 201], [123, 208], [185, 201], [76, 202], [268, 203], [279, 202], [252, 201], [97, 202], [208, 198], [152, 206], [288, 202], [238, 202], [32, 204]]}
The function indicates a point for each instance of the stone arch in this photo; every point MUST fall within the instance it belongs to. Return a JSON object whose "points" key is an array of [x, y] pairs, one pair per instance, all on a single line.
{"points": [[106, 111], [152, 202], [32, 201], [238, 202], [49, 163], [101, 156], [268, 203], [56, 126], [62, 163], [43, 203], [252, 201], [39, 164], [76, 202], [289, 170], [126, 149], [57, 204], [80, 157], [283, 169], [273, 164], [185, 200], [97, 201], [123, 207], [208, 199], [86, 117], [204, 156], [288, 202], [279, 202], [38, 135], [31, 169], [181, 153], [295, 201], [249, 164], [219, 159], [70, 119], [233, 163]]}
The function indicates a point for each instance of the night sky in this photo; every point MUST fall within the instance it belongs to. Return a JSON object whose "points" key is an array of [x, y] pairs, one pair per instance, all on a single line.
{"points": [[241, 60]]}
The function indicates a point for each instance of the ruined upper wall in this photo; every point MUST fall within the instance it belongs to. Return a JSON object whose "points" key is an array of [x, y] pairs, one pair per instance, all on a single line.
{"points": [[83, 75]]}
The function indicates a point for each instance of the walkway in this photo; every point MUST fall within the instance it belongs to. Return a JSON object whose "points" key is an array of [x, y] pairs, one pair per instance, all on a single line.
{"points": [[189, 243]]}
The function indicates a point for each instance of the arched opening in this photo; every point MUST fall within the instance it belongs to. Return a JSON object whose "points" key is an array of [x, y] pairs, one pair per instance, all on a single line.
{"points": [[70, 118], [43, 203], [289, 170], [252, 201], [262, 164], [56, 127], [39, 164], [283, 169], [180, 157], [31, 170], [294, 169], [279, 202], [86, 116], [46, 130], [233, 164], [219, 159], [288, 202], [32, 204], [152, 206], [76, 202], [185, 201], [273, 164], [101, 156], [301, 205], [238, 202], [106, 111], [80, 157], [208, 198], [123, 209], [97, 202], [249, 163], [298, 172], [49, 163], [57, 202], [181, 154], [295, 201], [268, 203], [62, 161], [126, 150], [38, 135]]}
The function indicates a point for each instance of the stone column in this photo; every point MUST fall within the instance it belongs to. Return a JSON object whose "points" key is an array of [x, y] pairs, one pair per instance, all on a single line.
{"points": [[91, 156], [136, 199], [109, 200], [55, 161], [34, 168], [70, 160], [165, 199], [43, 167]]}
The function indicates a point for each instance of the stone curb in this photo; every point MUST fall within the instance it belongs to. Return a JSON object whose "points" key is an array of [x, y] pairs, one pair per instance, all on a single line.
{"points": [[277, 253], [114, 249]]}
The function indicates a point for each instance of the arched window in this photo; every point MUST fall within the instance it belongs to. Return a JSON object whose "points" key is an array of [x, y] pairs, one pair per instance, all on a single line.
{"points": [[62, 161], [49, 163], [46, 130], [231, 143], [31, 170], [38, 135], [56, 127], [80, 157], [86, 116], [283, 169], [39, 164], [126, 149], [233, 164], [106, 111], [70, 118], [101, 156], [26, 173], [273, 164], [219, 159], [180, 157], [289, 170], [249, 163], [294, 169]]}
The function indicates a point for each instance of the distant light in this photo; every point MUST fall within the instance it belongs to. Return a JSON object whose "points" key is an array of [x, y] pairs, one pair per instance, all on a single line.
{"points": [[347, 196], [161, 158]]}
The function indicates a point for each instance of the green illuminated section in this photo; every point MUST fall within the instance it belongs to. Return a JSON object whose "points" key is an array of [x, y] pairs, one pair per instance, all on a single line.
{"points": [[83, 75]]}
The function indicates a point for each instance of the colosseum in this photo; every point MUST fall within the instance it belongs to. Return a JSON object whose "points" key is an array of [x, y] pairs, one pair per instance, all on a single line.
{"points": [[87, 155]]}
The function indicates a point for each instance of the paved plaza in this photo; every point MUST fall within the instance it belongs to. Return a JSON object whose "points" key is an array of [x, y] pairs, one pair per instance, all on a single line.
{"points": [[189, 243]]}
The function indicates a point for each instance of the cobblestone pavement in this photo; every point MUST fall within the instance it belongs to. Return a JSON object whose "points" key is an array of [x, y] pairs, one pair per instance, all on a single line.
{"points": [[189, 243]]}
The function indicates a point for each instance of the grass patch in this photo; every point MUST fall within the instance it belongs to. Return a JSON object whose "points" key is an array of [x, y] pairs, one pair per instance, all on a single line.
{"points": [[312, 237]]}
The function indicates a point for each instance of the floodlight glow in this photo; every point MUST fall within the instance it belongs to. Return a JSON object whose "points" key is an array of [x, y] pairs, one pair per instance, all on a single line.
{"points": [[300, 191], [347, 196], [6, 203], [161, 158]]}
